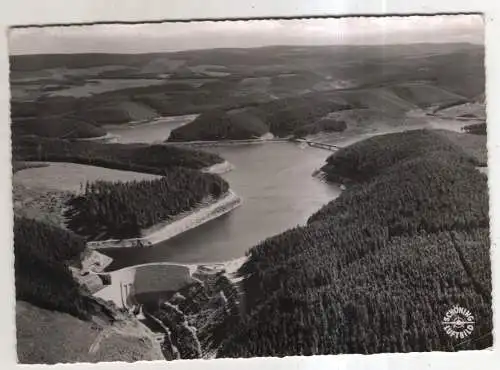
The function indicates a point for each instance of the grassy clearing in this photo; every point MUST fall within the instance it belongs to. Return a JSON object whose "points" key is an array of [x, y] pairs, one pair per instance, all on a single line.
{"points": [[469, 109], [38, 342], [20, 165], [41, 190], [69, 177], [425, 95], [199, 81], [144, 158]]}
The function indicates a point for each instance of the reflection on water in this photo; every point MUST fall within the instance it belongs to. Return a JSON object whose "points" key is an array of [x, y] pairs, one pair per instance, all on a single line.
{"points": [[278, 193]]}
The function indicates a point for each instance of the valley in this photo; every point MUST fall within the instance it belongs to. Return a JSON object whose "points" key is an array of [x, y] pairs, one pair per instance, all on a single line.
{"points": [[114, 147]]}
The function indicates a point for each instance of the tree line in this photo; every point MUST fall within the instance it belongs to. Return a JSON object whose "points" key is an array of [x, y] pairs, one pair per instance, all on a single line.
{"points": [[123, 209], [282, 117], [376, 269], [42, 255], [221, 125], [365, 159], [154, 159]]}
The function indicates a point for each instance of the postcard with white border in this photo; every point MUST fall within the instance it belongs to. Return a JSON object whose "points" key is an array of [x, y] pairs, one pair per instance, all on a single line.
{"points": [[250, 188]]}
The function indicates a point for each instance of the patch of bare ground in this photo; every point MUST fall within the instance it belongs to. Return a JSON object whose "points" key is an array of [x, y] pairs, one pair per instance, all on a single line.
{"points": [[44, 337], [467, 110], [474, 145], [38, 203]]}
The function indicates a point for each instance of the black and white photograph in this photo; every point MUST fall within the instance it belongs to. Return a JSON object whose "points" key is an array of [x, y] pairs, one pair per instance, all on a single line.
{"points": [[250, 188]]}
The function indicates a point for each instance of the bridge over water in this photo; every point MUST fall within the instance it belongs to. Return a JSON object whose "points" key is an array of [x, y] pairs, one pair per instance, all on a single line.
{"points": [[224, 142], [317, 144], [311, 143]]}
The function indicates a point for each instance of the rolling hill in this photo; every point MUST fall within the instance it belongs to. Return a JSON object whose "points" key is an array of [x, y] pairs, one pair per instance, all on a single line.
{"points": [[123, 88]]}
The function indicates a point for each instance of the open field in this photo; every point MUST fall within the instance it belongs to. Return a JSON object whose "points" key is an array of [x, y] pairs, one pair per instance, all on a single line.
{"points": [[71, 177], [93, 87], [467, 110], [126, 341], [138, 87], [21, 165]]}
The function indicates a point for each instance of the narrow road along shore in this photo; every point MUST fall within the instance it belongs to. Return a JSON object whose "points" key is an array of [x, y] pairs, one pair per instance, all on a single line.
{"points": [[160, 233], [222, 206]]}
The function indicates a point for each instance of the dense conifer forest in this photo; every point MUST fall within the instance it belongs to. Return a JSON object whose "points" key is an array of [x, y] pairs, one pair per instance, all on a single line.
{"points": [[221, 125], [323, 125], [284, 116], [66, 127], [365, 159], [280, 117], [42, 253], [154, 159], [122, 210], [376, 269]]}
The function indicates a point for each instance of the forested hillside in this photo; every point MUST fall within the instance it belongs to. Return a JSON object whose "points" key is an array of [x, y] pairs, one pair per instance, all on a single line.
{"points": [[67, 128], [321, 111], [221, 125], [365, 159], [58, 320], [122, 210], [50, 93], [284, 116], [42, 253], [154, 159], [281, 117], [376, 269]]}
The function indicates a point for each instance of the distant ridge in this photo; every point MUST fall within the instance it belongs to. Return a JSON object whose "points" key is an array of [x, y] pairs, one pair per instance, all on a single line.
{"points": [[31, 62]]}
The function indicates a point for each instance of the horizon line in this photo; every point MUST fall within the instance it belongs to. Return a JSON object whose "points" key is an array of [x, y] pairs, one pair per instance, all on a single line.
{"points": [[256, 47]]}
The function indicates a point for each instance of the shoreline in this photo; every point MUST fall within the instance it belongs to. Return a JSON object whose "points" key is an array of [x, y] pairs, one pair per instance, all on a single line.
{"points": [[151, 122], [108, 138], [196, 218], [219, 168], [162, 232]]}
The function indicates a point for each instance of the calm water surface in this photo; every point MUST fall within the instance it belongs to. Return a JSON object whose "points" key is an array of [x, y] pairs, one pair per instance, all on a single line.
{"points": [[156, 131], [275, 183], [278, 193]]}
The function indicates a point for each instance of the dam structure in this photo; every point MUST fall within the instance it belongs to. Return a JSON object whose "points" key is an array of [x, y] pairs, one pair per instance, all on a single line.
{"points": [[130, 287]]}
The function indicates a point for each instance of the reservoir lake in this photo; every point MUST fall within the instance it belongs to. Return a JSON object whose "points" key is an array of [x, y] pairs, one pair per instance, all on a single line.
{"points": [[278, 191], [274, 181]]}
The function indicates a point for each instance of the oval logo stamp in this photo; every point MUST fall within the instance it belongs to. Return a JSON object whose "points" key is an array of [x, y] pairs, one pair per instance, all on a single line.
{"points": [[458, 322]]}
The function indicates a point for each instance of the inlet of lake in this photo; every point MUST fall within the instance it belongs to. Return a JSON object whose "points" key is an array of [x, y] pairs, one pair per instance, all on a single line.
{"points": [[278, 190], [274, 180]]}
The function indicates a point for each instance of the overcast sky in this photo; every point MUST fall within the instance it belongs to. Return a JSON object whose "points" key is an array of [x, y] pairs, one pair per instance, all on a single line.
{"points": [[203, 35]]}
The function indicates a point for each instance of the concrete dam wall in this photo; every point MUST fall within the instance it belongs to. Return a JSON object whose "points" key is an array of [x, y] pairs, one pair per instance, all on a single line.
{"points": [[128, 287]]}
